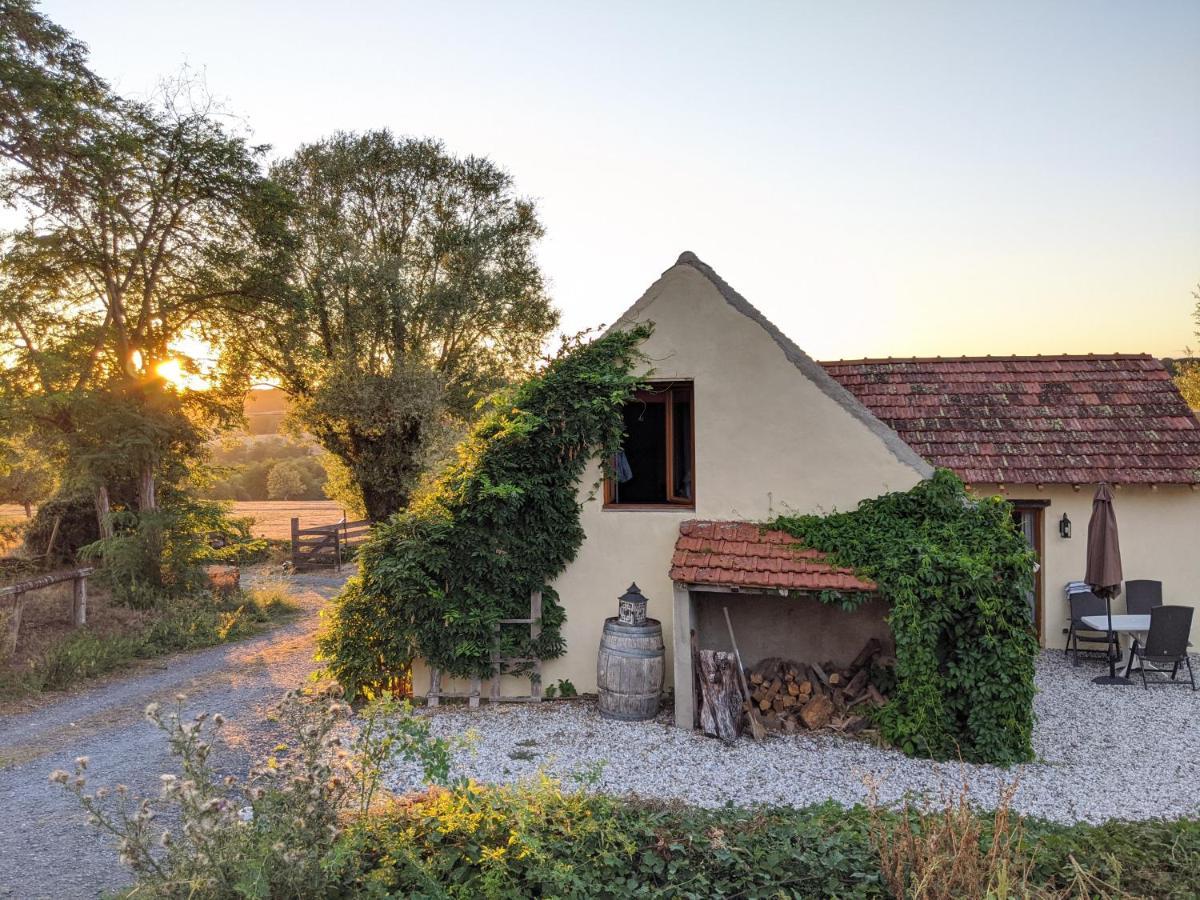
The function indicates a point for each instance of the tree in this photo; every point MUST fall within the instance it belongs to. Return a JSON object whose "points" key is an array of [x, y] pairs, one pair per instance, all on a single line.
{"points": [[285, 481], [396, 287], [115, 263], [1187, 374], [26, 475]]}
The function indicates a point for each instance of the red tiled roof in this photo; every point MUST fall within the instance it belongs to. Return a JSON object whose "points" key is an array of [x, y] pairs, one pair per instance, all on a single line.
{"points": [[1035, 419], [742, 554]]}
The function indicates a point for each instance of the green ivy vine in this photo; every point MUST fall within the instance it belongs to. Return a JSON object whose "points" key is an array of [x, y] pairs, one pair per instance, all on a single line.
{"points": [[500, 522], [955, 572]]}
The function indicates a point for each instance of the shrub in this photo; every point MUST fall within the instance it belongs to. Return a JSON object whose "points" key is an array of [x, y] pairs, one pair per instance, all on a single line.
{"points": [[501, 522], [159, 555], [956, 574], [274, 834]]}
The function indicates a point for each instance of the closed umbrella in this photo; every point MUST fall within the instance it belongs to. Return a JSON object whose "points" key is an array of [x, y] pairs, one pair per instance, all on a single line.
{"points": [[1103, 574]]}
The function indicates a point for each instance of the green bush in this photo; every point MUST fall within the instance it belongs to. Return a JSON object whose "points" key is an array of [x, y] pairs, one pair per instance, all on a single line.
{"points": [[158, 556], [501, 522], [956, 573], [535, 839]]}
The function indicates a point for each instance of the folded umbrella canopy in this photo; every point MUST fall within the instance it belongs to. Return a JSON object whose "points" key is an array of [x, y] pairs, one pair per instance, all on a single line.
{"points": [[1103, 572]]}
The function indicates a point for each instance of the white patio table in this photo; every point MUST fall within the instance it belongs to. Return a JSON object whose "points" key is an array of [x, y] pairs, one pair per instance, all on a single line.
{"points": [[1131, 626]]}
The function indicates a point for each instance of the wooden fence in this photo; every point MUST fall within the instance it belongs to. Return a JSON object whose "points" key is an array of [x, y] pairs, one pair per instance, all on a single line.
{"points": [[13, 597], [326, 545]]}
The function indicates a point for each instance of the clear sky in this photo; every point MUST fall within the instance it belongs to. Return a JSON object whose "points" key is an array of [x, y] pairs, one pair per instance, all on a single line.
{"points": [[879, 178]]}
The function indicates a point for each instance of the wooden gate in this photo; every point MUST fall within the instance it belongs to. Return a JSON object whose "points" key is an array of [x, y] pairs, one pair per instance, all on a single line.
{"points": [[326, 545]]}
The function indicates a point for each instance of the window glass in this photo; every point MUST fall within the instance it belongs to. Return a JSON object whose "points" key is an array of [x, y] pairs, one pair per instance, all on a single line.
{"points": [[645, 450]]}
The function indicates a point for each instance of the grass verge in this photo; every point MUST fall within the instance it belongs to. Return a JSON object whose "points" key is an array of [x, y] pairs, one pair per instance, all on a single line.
{"points": [[184, 624]]}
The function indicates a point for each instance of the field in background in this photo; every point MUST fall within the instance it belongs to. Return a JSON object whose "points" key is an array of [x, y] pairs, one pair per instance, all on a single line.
{"points": [[273, 518]]}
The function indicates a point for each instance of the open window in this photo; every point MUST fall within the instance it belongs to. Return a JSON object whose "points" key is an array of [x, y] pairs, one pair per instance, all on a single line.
{"points": [[656, 465]]}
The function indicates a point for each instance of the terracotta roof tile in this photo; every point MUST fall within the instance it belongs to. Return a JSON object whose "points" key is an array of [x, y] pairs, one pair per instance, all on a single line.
{"points": [[743, 554], [1035, 420]]}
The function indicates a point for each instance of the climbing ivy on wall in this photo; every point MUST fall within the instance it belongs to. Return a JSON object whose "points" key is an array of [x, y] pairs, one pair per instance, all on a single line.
{"points": [[502, 521], [955, 571]]}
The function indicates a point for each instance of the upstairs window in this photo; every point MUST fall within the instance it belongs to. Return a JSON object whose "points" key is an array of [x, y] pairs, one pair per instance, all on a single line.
{"points": [[657, 463]]}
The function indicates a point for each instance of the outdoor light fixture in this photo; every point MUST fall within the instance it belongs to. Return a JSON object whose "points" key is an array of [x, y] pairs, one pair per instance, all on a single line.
{"points": [[631, 609], [1064, 526]]}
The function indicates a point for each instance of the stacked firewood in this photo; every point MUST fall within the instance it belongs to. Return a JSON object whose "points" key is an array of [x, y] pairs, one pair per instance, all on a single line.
{"points": [[791, 696]]}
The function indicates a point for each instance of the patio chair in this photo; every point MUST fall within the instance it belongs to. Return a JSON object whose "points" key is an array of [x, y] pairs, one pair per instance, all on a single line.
{"points": [[1085, 603], [1166, 643], [1142, 595]]}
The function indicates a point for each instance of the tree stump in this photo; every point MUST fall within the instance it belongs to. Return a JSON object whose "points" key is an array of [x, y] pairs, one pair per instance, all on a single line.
{"points": [[721, 703]]}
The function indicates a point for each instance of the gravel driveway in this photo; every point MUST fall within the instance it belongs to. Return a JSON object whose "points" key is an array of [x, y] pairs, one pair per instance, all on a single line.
{"points": [[46, 848], [1103, 752]]}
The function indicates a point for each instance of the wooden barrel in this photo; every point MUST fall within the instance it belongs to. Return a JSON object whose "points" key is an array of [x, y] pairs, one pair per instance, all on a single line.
{"points": [[629, 670]]}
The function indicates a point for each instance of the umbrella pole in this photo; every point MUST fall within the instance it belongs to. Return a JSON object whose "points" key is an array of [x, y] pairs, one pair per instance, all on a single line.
{"points": [[1113, 649]]}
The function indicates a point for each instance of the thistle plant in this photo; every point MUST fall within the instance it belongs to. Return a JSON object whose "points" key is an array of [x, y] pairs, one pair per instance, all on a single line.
{"points": [[272, 833]]}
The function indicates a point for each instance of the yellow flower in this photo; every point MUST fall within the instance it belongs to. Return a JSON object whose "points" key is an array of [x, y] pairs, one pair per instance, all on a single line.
{"points": [[492, 854]]}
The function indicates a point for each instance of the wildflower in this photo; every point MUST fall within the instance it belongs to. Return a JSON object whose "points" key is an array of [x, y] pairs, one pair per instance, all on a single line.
{"points": [[122, 789], [79, 783], [179, 698], [218, 720], [165, 840], [81, 762], [58, 776]]}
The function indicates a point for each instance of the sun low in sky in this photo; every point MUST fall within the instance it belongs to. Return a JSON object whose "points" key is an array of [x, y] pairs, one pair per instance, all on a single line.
{"points": [[879, 178]]}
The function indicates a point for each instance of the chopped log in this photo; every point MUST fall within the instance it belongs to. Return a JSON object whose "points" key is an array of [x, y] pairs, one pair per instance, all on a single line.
{"points": [[870, 648], [806, 687], [858, 683], [756, 678], [835, 679], [721, 708], [822, 678], [817, 713], [854, 724], [793, 689], [877, 699]]}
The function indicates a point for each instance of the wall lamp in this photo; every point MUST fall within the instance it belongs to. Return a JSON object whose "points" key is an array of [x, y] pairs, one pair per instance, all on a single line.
{"points": [[1064, 526]]}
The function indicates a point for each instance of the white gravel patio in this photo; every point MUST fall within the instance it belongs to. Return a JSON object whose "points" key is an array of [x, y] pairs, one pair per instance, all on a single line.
{"points": [[1102, 752]]}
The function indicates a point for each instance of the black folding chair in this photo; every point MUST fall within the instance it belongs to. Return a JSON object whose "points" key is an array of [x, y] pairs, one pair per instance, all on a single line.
{"points": [[1085, 603], [1167, 643], [1142, 595]]}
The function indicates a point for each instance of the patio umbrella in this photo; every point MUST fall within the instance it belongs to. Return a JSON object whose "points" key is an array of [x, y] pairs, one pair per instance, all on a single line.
{"points": [[1103, 573]]}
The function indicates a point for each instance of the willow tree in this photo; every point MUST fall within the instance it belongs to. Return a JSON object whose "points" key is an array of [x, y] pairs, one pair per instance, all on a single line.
{"points": [[398, 288]]}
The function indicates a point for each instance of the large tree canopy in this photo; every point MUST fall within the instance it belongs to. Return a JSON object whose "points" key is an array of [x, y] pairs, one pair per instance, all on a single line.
{"points": [[397, 287]]}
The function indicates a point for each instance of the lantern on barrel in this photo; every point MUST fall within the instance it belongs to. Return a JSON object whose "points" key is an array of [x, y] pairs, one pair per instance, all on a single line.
{"points": [[631, 664]]}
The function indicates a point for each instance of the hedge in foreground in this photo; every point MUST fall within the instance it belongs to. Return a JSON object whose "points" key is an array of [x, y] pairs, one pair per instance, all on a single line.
{"points": [[956, 573], [538, 840]]}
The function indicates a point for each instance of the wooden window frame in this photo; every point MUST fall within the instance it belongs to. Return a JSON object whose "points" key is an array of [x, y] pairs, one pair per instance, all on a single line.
{"points": [[663, 392]]}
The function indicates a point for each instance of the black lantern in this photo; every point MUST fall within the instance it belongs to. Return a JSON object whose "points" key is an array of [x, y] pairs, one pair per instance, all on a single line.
{"points": [[1064, 526], [631, 609]]}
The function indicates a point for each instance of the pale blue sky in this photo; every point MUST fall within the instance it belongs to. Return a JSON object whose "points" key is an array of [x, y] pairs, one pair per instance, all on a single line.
{"points": [[878, 178]]}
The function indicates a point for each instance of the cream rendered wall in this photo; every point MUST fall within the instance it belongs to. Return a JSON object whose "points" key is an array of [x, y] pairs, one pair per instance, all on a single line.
{"points": [[1160, 539], [768, 441]]}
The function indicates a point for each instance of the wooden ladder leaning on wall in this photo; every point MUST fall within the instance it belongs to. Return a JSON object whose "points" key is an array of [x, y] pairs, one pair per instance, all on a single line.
{"points": [[471, 695]]}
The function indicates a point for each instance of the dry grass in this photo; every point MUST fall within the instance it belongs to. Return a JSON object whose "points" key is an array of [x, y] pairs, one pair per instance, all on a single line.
{"points": [[950, 851], [273, 518]]}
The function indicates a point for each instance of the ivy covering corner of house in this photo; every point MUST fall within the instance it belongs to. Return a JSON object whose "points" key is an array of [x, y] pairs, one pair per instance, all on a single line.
{"points": [[956, 574], [501, 522]]}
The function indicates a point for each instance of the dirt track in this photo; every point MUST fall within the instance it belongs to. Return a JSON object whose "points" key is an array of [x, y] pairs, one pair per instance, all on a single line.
{"points": [[46, 848]]}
